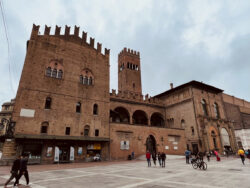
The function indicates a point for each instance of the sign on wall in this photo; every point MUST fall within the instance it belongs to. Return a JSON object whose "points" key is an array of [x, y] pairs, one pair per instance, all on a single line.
{"points": [[72, 151], [56, 157], [124, 145], [27, 113], [79, 152], [49, 152]]}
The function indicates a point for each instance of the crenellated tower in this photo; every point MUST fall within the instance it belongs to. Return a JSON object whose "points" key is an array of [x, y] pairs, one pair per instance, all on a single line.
{"points": [[129, 71]]}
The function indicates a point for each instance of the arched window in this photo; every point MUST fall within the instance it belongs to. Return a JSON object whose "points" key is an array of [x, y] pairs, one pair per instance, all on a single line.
{"points": [[60, 74], [204, 107], [48, 103], [48, 71], [44, 127], [81, 79], [86, 130], [54, 73], [183, 123], [192, 129], [95, 109], [157, 120], [140, 117], [78, 107], [216, 110]]}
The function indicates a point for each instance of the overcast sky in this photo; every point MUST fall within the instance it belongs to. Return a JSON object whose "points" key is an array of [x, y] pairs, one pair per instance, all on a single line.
{"points": [[179, 40]]}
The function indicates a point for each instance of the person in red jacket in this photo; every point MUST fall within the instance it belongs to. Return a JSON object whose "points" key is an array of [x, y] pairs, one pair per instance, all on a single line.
{"points": [[148, 157]]}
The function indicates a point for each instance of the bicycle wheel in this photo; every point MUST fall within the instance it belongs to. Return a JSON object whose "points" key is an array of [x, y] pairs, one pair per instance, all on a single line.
{"points": [[195, 165], [204, 166]]}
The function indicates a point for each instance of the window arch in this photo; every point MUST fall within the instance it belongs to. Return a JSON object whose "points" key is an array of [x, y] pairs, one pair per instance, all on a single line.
{"points": [[55, 69], [120, 115], [86, 130], [95, 109], [157, 120], [204, 107], [216, 110], [86, 77], [48, 103], [140, 117], [78, 107]]}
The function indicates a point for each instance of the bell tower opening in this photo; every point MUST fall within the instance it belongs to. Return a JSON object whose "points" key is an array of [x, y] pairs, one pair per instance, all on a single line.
{"points": [[129, 71]]}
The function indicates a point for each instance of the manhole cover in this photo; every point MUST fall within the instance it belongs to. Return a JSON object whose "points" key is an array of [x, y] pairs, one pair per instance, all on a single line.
{"points": [[235, 169]]}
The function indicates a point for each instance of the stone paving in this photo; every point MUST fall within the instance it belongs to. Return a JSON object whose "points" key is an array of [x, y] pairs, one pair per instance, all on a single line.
{"points": [[228, 173]]}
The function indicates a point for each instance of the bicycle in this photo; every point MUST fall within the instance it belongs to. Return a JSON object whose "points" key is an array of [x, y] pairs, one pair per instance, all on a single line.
{"points": [[199, 164]]}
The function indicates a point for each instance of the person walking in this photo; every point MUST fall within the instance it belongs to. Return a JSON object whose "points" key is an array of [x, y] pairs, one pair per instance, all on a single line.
{"points": [[154, 158], [23, 170], [148, 157], [208, 155], [14, 170], [159, 158], [241, 153], [163, 159], [217, 155], [187, 154]]}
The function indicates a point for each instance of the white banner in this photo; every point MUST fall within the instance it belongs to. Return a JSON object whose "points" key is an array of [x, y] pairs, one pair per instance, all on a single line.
{"points": [[72, 152], [56, 158]]}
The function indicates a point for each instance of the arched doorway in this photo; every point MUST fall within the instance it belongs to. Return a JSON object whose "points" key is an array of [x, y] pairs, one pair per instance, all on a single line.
{"points": [[225, 139], [151, 144]]}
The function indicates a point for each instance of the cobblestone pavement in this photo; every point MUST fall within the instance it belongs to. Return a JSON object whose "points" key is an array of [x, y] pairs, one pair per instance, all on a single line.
{"points": [[228, 173]]}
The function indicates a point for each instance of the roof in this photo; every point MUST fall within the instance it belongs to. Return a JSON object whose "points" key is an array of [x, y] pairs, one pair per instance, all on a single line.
{"points": [[193, 83]]}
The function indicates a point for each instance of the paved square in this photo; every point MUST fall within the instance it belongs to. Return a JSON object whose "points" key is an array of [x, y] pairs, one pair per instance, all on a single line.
{"points": [[227, 173]]}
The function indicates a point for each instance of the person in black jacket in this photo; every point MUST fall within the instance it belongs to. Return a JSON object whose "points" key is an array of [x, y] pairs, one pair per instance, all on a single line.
{"points": [[14, 170], [23, 170], [163, 158]]}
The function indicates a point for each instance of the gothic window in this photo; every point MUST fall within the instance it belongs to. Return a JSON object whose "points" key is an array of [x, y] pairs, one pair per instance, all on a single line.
{"points": [[216, 110], [204, 107], [54, 73], [48, 103], [78, 107], [60, 73], [48, 71], [95, 109], [55, 69], [86, 77], [86, 130]]}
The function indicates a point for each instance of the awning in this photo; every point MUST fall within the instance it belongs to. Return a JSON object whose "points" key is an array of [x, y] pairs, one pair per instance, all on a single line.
{"points": [[54, 137]]}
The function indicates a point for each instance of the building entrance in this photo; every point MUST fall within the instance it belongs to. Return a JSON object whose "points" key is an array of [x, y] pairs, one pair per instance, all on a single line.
{"points": [[195, 148], [151, 144], [64, 154]]}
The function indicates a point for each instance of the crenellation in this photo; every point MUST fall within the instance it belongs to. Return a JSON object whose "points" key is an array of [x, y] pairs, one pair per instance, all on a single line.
{"points": [[76, 31], [107, 51], [57, 30], [92, 42], [47, 30], [35, 31], [84, 37], [99, 47], [67, 30]]}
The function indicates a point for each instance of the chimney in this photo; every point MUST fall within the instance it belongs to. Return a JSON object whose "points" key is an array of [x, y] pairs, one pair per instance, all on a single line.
{"points": [[171, 85]]}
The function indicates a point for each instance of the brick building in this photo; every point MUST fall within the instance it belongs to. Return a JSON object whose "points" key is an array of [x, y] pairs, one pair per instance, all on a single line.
{"points": [[64, 111]]}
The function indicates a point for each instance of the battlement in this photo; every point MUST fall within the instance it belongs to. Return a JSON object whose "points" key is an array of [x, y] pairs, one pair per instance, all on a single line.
{"points": [[131, 96], [129, 51], [70, 37]]}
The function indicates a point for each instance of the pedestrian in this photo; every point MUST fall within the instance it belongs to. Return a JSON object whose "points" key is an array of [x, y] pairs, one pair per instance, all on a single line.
{"points": [[163, 158], [133, 155], [208, 156], [187, 154], [14, 170], [23, 170], [200, 155], [159, 158], [154, 158], [217, 155], [248, 156], [241, 153], [148, 157]]}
